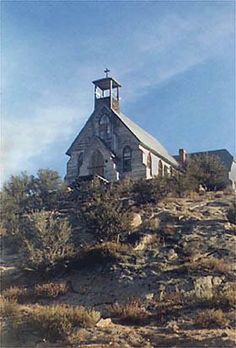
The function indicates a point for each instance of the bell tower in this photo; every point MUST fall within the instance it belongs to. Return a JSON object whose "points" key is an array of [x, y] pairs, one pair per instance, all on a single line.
{"points": [[106, 91]]}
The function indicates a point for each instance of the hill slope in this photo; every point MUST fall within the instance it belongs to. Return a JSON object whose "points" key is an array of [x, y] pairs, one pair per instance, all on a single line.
{"points": [[172, 284]]}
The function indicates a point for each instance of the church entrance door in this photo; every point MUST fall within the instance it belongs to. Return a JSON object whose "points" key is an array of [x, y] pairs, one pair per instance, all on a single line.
{"points": [[97, 164]]}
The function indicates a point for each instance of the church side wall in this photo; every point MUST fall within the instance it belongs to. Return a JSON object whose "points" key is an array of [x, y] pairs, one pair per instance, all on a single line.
{"points": [[155, 163]]}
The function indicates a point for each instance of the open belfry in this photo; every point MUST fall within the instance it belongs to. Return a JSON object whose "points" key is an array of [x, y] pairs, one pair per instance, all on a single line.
{"points": [[112, 146]]}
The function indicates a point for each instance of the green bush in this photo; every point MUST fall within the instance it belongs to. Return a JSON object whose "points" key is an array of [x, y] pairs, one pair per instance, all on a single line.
{"points": [[153, 190], [208, 171], [104, 217], [47, 241], [24, 194]]}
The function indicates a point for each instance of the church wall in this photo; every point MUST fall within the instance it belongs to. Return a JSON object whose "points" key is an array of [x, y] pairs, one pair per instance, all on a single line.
{"points": [[155, 163], [121, 137]]}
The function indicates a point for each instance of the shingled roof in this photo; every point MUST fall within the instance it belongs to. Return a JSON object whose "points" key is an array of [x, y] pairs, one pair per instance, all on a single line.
{"points": [[146, 139]]}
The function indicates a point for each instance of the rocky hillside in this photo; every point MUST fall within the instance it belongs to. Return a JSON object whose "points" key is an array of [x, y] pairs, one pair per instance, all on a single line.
{"points": [[170, 284]]}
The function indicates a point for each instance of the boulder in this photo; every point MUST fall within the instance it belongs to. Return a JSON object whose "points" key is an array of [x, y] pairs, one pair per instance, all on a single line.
{"points": [[136, 220], [104, 322], [204, 286]]}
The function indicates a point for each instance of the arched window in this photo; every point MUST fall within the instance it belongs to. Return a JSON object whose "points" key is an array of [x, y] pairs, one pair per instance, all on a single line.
{"points": [[149, 163], [97, 164], [166, 171], [79, 162], [127, 158], [104, 127], [160, 168]]}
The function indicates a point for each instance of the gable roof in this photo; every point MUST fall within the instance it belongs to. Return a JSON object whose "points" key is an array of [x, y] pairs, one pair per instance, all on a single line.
{"points": [[146, 139], [224, 155]]}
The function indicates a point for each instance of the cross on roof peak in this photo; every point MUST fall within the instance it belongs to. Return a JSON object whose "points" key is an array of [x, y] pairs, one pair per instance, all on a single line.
{"points": [[106, 71]]}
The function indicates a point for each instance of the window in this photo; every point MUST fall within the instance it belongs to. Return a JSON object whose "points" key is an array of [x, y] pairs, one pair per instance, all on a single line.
{"points": [[149, 163], [127, 157], [104, 127], [166, 171], [160, 168], [79, 162], [97, 164]]}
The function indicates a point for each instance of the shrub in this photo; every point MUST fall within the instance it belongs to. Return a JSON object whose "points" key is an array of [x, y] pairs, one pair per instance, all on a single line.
{"points": [[23, 194], [49, 322], [105, 218], [130, 313], [47, 241], [146, 191], [103, 253], [226, 297], [57, 322], [231, 214], [11, 317], [152, 190], [50, 290], [39, 291], [210, 319], [206, 170], [15, 294], [211, 264]]}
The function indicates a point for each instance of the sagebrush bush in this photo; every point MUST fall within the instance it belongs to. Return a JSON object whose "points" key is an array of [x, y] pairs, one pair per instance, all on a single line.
{"points": [[55, 322], [103, 253], [104, 217], [52, 323], [47, 241], [206, 170], [153, 190], [210, 319], [40, 291], [226, 297], [23, 194], [130, 313], [50, 290], [15, 293]]}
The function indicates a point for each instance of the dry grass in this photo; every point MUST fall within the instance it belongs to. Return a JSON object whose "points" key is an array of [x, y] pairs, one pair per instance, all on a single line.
{"points": [[50, 290], [151, 224], [210, 319], [50, 322], [130, 313], [210, 264], [174, 298], [58, 321], [226, 298], [15, 293], [38, 292]]}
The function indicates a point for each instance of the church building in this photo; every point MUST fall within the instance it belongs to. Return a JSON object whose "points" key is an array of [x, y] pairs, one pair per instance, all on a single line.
{"points": [[112, 146]]}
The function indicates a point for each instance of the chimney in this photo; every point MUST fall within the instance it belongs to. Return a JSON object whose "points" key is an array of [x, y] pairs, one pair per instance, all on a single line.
{"points": [[182, 156]]}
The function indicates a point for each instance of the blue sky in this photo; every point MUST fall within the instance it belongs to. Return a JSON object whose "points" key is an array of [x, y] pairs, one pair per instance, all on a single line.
{"points": [[174, 59]]}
